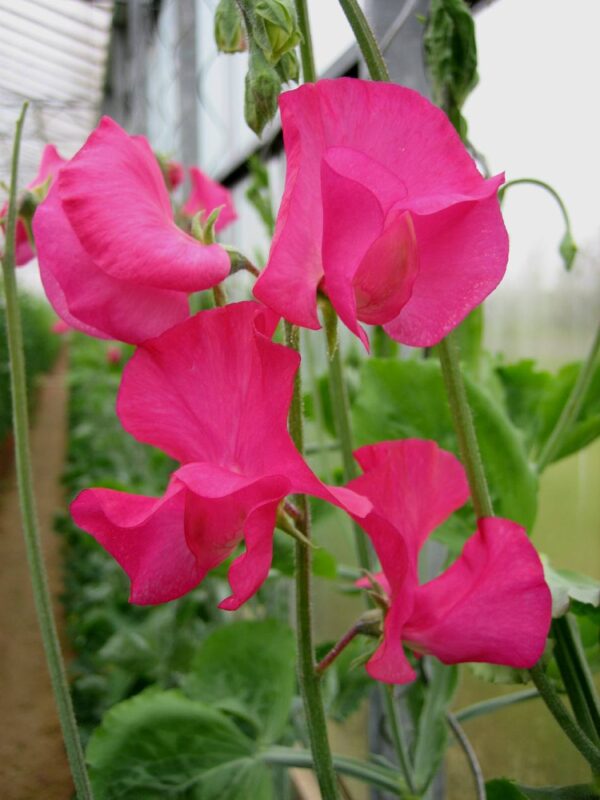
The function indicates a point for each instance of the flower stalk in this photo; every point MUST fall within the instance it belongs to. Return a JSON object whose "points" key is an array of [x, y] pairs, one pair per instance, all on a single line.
{"points": [[307, 675], [39, 580], [366, 40], [309, 71]]}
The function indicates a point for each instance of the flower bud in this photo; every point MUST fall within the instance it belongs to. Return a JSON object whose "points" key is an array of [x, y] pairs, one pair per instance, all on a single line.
{"points": [[276, 29], [262, 90], [288, 67], [230, 34]]}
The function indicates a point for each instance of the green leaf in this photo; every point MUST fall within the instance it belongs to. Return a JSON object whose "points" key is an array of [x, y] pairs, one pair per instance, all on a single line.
{"points": [[535, 399], [451, 57], [567, 586], [403, 399], [432, 728], [161, 745], [503, 789], [247, 669]]}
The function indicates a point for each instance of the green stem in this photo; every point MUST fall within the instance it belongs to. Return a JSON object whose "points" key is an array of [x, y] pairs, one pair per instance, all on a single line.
{"points": [[550, 190], [366, 40], [341, 418], [308, 678], [576, 676], [474, 765], [572, 407], [495, 704], [39, 580], [309, 72], [578, 738], [464, 425], [373, 774], [397, 736]]}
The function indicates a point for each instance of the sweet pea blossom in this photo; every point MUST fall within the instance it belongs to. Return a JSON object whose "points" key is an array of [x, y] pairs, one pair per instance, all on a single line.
{"points": [[49, 165], [213, 392], [384, 210], [205, 196], [492, 604], [112, 260]]}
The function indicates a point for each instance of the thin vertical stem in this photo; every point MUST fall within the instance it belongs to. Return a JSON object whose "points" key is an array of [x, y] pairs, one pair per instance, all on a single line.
{"points": [[307, 676], [341, 417], [39, 580], [366, 40], [397, 736], [464, 426], [309, 71]]}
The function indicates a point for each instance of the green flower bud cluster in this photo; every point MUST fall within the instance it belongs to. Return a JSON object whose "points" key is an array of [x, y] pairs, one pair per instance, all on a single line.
{"points": [[270, 27], [230, 33]]}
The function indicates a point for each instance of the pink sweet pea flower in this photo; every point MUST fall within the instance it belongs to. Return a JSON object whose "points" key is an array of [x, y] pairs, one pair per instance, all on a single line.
{"points": [[112, 261], [205, 196], [175, 173], [213, 393], [60, 327], [114, 355], [491, 605], [384, 210], [49, 165]]}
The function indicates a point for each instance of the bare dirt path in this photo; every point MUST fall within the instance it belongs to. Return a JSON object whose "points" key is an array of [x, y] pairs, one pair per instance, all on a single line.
{"points": [[32, 759]]}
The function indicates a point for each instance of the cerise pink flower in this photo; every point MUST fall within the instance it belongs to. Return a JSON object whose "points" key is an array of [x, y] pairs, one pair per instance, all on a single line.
{"points": [[112, 260], [206, 195], [213, 392], [384, 210], [491, 605], [49, 165]]}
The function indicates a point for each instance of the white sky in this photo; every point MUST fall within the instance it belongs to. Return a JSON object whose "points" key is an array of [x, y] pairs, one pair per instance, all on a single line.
{"points": [[536, 113]]}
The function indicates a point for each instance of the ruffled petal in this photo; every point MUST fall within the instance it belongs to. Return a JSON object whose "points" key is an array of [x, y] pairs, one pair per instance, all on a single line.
{"points": [[206, 195], [116, 200], [220, 391], [88, 299], [384, 279], [389, 663], [146, 536], [352, 221], [491, 605], [289, 282], [223, 508], [413, 484], [463, 253]]}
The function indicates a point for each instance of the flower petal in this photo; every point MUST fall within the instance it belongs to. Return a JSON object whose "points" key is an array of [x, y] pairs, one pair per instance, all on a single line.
{"points": [[222, 508], [115, 197], [491, 605], [88, 299], [220, 391], [463, 253], [289, 282], [384, 279], [146, 536], [413, 484], [206, 195], [352, 221]]}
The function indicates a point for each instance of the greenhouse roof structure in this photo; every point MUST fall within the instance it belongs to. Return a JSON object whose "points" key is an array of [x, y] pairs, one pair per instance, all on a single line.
{"points": [[53, 53]]}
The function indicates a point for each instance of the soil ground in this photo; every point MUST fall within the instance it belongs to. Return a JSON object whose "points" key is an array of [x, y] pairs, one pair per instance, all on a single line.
{"points": [[33, 763]]}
